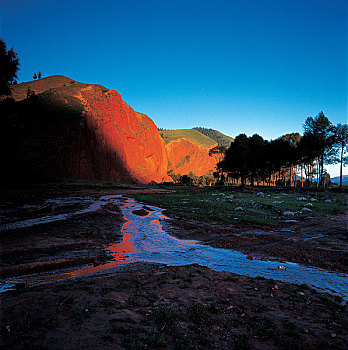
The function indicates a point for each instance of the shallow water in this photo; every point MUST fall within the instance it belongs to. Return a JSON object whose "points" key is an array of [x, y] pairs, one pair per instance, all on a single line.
{"points": [[144, 240]]}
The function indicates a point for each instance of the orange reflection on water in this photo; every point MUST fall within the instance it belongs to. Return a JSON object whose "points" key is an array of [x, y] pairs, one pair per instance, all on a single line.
{"points": [[121, 253]]}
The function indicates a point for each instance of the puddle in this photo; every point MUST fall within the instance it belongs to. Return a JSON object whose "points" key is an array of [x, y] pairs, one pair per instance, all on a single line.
{"points": [[144, 240], [86, 202]]}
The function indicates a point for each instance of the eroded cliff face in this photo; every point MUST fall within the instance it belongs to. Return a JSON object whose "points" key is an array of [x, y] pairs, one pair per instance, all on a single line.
{"points": [[132, 136], [185, 156], [82, 131]]}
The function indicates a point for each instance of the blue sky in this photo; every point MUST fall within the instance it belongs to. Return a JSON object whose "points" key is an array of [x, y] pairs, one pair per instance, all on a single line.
{"points": [[251, 66]]}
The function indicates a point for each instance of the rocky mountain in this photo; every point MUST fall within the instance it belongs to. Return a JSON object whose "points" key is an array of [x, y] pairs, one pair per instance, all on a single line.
{"points": [[59, 127]]}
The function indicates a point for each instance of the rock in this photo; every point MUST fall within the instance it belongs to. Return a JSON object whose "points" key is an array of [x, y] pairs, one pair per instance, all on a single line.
{"points": [[185, 156], [290, 221], [301, 199], [260, 194], [328, 201], [306, 209], [333, 335], [86, 131], [238, 209], [276, 197], [308, 205], [277, 202], [140, 212], [313, 200], [281, 267], [288, 213]]}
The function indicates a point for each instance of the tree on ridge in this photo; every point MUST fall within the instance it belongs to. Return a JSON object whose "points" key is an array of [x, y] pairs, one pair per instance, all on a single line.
{"points": [[9, 65]]}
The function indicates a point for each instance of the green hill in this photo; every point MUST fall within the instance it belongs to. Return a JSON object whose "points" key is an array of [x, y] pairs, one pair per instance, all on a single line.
{"points": [[191, 134], [220, 138]]}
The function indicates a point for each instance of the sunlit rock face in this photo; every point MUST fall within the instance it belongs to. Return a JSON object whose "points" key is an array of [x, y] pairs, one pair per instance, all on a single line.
{"points": [[75, 130], [132, 136], [185, 156]]}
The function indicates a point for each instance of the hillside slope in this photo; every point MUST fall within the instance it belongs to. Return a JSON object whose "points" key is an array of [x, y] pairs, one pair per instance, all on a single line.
{"points": [[188, 151], [219, 137], [79, 130], [190, 134]]}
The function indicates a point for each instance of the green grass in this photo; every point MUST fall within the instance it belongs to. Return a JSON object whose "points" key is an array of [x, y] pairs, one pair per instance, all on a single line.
{"points": [[210, 205], [220, 138], [167, 316], [191, 134]]}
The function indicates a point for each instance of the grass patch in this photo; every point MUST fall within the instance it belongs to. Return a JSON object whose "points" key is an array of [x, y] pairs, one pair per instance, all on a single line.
{"points": [[155, 340], [261, 327], [191, 134], [196, 313], [210, 205], [167, 316], [331, 302], [290, 329]]}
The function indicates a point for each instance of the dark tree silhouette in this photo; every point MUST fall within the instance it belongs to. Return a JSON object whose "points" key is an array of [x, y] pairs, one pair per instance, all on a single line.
{"points": [[236, 159], [39, 75], [319, 136], [35, 76], [9, 65], [341, 146]]}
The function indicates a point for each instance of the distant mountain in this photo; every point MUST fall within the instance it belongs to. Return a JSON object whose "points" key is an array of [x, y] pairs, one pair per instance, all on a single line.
{"points": [[220, 138], [336, 180]]}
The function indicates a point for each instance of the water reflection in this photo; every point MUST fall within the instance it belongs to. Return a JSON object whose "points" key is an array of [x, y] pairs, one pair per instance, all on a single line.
{"points": [[144, 240]]}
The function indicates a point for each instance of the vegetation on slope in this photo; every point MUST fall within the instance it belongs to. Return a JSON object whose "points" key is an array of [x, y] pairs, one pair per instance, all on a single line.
{"points": [[220, 138], [190, 134]]}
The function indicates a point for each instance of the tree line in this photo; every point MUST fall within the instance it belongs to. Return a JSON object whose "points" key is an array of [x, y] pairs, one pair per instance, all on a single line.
{"points": [[284, 160]]}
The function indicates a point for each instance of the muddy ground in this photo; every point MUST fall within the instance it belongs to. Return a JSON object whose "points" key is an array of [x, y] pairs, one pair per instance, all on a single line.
{"points": [[150, 307], [320, 242]]}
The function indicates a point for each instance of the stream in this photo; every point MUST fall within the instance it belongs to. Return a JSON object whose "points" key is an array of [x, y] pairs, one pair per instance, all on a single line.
{"points": [[144, 240]]}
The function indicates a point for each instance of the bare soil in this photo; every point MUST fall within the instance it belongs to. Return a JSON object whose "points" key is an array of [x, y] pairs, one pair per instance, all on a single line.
{"points": [[172, 308]]}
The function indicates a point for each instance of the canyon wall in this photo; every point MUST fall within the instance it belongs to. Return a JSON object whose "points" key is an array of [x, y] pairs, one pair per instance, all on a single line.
{"points": [[69, 129]]}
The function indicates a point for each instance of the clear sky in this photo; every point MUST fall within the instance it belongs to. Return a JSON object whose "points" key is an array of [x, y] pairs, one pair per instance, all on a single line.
{"points": [[247, 66]]}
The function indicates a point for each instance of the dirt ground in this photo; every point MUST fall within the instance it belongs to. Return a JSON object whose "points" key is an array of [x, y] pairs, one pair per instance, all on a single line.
{"points": [[156, 307], [173, 308]]}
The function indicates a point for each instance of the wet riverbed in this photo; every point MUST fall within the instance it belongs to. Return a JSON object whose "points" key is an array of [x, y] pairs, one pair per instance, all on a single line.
{"points": [[144, 240]]}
